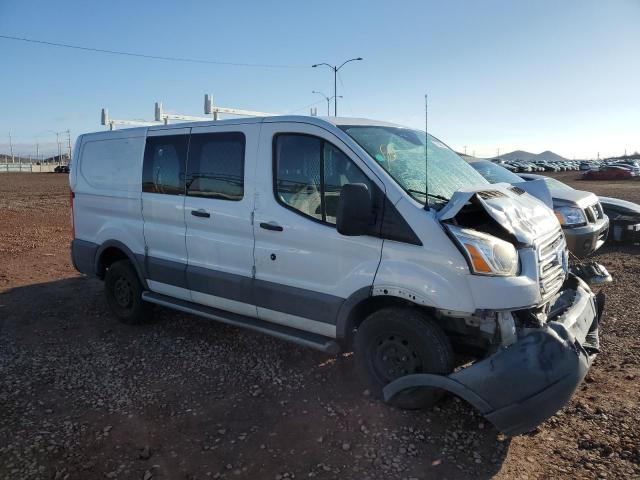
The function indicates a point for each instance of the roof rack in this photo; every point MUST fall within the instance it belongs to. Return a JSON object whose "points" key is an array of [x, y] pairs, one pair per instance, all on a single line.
{"points": [[161, 117]]}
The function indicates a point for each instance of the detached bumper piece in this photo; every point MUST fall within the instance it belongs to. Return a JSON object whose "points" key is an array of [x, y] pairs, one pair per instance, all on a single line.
{"points": [[521, 386], [593, 273]]}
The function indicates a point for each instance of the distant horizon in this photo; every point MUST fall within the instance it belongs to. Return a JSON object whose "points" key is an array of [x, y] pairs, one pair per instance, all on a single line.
{"points": [[65, 150]]}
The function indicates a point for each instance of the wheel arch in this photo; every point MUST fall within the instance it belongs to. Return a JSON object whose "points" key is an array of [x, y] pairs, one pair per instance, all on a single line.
{"points": [[113, 250], [359, 306]]}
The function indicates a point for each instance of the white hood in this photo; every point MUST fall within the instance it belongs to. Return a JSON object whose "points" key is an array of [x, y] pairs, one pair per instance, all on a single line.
{"points": [[522, 215]]}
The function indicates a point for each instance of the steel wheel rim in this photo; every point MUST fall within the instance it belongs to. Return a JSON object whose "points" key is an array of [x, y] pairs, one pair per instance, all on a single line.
{"points": [[123, 293], [393, 356]]}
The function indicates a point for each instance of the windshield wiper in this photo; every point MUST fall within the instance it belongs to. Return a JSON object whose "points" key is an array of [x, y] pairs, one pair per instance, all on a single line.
{"points": [[431, 195]]}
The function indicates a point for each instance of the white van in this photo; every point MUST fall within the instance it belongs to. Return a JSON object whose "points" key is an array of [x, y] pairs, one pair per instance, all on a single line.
{"points": [[322, 231]]}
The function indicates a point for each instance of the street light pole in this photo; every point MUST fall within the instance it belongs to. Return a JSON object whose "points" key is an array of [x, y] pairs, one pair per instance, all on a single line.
{"points": [[335, 80], [328, 99]]}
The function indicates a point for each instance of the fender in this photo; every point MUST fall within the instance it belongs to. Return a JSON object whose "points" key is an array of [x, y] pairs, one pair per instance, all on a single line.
{"points": [[421, 283], [137, 260]]}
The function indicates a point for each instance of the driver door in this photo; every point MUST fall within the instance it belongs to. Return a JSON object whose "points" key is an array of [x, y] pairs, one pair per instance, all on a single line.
{"points": [[305, 269]]}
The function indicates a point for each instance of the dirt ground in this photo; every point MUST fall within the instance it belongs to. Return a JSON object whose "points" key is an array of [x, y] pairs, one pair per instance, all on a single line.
{"points": [[85, 397]]}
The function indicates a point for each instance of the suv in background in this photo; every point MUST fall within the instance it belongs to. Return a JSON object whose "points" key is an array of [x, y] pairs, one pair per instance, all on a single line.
{"points": [[583, 221]]}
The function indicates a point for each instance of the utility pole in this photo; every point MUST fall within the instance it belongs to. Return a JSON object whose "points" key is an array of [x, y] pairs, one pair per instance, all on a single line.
{"points": [[335, 76], [11, 147], [69, 145], [59, 147], [465, 150]]}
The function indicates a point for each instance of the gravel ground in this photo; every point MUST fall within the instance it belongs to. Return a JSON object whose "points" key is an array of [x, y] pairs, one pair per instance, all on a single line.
{"points": [[84, 397]]}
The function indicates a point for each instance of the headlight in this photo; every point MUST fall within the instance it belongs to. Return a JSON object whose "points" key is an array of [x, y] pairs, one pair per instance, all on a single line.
{"points": [[570, 216], [487, 254]]}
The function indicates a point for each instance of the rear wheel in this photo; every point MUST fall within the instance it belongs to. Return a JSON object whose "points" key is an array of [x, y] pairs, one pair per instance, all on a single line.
{"points": [[124, 294], [394, 342]]}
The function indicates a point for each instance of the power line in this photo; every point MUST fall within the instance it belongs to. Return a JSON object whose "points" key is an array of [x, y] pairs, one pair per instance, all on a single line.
{"points": [[305, 107], [152, 57], [346, 94]]}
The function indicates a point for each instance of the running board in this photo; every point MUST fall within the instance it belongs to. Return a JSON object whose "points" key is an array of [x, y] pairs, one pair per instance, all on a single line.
{"points": [[306, 339]]}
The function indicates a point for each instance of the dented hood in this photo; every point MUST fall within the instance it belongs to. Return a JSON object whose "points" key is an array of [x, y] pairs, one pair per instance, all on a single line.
{"points": [[522, 215]]}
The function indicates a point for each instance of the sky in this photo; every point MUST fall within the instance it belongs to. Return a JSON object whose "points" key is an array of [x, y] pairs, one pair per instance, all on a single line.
{"points": [[500, 74]]}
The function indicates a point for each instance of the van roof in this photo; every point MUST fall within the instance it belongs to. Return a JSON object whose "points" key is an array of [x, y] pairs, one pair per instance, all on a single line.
{"points": [[320, 121]]}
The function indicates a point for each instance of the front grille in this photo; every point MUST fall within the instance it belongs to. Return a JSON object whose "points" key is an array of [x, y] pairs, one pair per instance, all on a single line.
{"points": [[594, 212], [552, 258]]}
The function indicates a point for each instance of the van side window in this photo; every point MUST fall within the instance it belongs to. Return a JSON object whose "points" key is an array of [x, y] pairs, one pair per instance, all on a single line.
{"points": [[309, 174], [216, 165], [164, 164]]}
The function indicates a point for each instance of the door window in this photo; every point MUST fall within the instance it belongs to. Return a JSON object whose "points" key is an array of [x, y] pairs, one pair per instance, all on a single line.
{"points": [[309, 174], [216, 165], [164, 164]]}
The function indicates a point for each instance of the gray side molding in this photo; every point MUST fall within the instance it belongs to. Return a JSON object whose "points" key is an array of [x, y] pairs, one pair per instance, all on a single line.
{"points": [[83, 254]]}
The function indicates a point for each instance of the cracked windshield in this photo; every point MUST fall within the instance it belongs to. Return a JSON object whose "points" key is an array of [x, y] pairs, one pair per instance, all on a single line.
{"points": [[400, 151]]}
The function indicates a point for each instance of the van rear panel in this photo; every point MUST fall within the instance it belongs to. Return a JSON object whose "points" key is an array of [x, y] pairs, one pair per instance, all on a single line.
{"points": [[106, 179]]}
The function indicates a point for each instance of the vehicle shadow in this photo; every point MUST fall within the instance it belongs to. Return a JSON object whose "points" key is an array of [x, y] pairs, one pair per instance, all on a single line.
{"points": [[210, 394]]}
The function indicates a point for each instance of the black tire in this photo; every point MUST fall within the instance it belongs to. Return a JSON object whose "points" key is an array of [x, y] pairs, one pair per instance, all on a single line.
{"points": [[397, 341], [124, 294]]}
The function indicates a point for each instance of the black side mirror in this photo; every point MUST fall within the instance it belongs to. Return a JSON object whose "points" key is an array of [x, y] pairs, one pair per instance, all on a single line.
{"points": [[355, 210]]}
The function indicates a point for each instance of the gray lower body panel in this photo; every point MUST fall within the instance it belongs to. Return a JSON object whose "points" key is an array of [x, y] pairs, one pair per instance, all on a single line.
{"points": [[320, 307], [522, 385], [83, 256]]}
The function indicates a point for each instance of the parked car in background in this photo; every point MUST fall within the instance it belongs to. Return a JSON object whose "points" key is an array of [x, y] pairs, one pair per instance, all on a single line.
{"points": [[624, 216], [583, 219], [584, 166], [326, 233], [583, 222], [624, 219], [608, 173], [633, 167], [61, 169]]}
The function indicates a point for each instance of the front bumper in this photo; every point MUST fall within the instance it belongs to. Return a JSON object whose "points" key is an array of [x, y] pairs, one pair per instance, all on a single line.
{"points": [[522, 385], [582, 241]]}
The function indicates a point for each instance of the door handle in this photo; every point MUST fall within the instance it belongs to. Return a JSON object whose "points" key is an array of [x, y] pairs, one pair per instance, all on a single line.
{"points": [[271, 226], [200, 213]]}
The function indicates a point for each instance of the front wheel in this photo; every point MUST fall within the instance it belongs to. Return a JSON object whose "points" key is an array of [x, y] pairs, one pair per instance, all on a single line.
{"points": [[394, 342], [124, 294]]}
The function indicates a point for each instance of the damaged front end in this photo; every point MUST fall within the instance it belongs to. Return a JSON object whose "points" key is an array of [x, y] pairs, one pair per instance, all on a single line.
{"points": [[521, 385], [536, 327]]}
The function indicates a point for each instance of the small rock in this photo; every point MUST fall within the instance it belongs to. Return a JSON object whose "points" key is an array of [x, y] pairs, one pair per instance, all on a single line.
{"points": [[346, 447]]}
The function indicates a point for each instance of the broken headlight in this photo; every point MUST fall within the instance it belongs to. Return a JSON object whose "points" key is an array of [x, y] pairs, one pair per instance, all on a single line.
{"points": [[486, 254]]}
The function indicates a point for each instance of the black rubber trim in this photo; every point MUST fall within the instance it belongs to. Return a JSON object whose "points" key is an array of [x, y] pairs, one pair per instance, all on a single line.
{"points": [[83, 256]]}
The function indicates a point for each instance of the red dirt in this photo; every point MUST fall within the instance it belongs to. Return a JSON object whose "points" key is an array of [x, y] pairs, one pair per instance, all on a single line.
{"points": [[84, 397]]}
